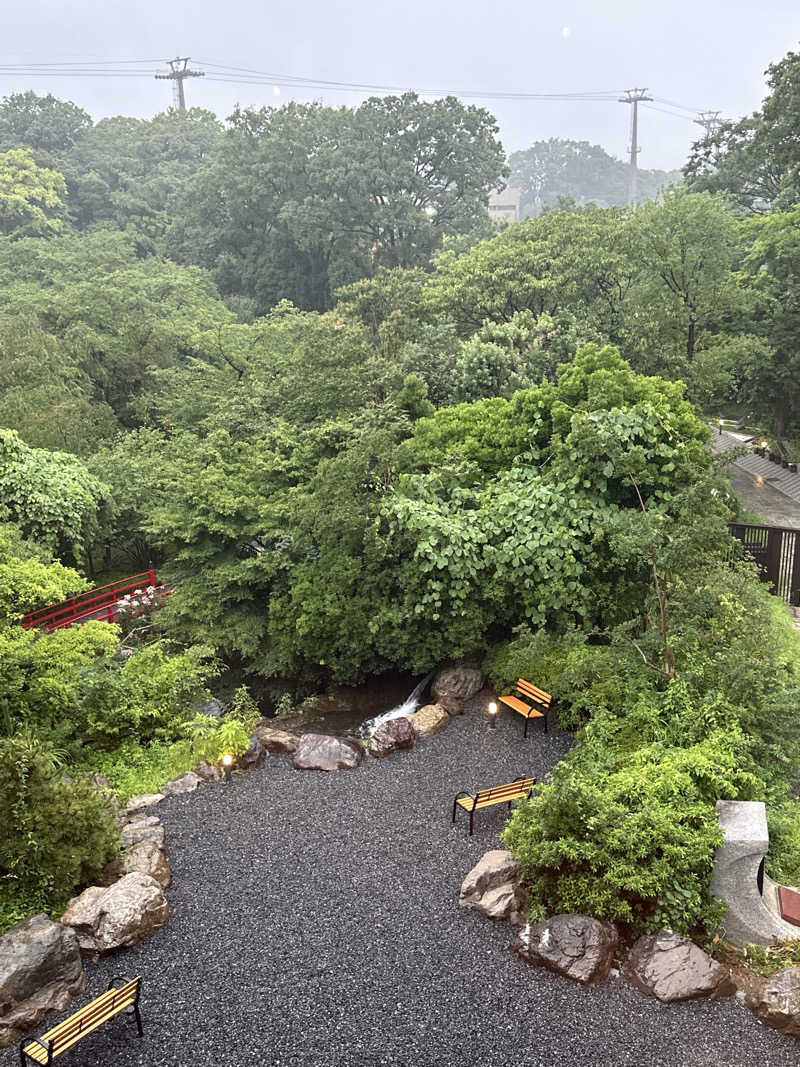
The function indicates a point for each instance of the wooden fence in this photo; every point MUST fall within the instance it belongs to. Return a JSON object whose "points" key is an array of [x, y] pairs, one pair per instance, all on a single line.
{"points": [[776, 551]]}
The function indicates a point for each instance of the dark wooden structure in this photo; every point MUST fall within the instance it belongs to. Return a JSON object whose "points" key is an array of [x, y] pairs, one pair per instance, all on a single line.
{"points": [[776, 552]]}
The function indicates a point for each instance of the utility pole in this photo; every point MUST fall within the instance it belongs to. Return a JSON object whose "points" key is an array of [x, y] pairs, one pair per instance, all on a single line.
{"points": [[178, 71], [710, 121], [634, 97]]}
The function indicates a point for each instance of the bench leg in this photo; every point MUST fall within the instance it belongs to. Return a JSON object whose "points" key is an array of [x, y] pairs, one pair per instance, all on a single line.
{"points": [[471, 820], [138, 1016], [527, 720], [545, 722], [455, 805]]}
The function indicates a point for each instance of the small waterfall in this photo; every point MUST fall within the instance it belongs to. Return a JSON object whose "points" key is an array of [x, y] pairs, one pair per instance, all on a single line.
{"points": [[408, 707]]}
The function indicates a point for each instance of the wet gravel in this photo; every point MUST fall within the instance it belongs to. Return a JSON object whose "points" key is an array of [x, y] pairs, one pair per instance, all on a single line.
{"points": [[315, 921]]}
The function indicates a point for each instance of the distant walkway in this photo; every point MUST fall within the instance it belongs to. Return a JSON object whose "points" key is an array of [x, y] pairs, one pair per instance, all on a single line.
{"points": [[773, 492], [315, 923]]}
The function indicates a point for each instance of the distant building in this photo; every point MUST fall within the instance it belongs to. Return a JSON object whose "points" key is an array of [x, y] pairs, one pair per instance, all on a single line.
{"points": [[504, 206]]}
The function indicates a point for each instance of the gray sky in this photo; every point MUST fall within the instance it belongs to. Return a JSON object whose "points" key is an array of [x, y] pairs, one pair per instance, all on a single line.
{"points": [[707, 54]]}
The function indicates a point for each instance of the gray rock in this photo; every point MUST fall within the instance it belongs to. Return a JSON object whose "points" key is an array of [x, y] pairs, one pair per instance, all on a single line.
{"points": [[145, 858], [493, 887], [143, 800], [429, 719], [452, 705], [214, 707], [392, 735], [40, 971], [145, 828], [576, 946], [670, 967], [207, 771], [254, 756], [777, 1001], [275, 740], [184, 783], [320, 752], [459, 681], [105, 919]]}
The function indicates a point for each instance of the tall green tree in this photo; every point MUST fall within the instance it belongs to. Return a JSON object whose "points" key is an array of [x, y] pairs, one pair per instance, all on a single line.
{"points": [[302, 199], [585, 172], [43, 123], [756, 160], [31, 197]]}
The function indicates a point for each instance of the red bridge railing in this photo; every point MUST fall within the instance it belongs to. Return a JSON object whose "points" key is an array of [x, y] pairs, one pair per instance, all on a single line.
{"points": [[100, 603]]}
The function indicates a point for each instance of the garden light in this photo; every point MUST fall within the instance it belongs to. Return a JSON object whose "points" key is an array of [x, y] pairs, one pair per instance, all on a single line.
{"points": [[492, 715], [763, 444], [227, 761]]}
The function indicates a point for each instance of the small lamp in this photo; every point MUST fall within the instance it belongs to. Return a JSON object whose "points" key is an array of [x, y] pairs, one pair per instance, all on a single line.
{"points": [[493, 715], [764, 444], [227, 762], [720, 425]]}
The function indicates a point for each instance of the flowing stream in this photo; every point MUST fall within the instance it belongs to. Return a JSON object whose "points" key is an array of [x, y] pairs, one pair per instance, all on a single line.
{"points": [[358, 711]]}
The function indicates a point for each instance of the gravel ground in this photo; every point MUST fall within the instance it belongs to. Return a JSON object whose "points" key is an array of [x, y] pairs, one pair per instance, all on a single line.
{"points": [[315, 921]]}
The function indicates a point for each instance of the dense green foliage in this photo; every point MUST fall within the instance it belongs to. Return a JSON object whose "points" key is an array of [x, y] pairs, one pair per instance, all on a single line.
{"points": [[57, 833], [287, 360], [626, 829]]}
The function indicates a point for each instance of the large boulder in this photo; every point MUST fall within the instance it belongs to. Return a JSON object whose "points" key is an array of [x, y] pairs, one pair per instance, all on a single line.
{"points": [[145, 858], [576, 946], [143, 828], [124, 913], [429, 719], [776, 1000], [670, 967], [40, 971], [320, 752], [459, 681], [493, 887], [275, 740], [143, 800], [184, 783], [253, 756], [209, 772], [392, 735], [452, 705]]}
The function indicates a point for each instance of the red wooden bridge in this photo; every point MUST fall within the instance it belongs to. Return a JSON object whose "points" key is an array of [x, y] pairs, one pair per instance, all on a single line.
{"points": [[101, 603]]}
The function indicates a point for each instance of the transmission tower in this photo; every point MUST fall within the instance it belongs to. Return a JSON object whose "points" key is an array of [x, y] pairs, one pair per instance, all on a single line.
{"points": [[178, 72], [634, 97], [710, 121]]}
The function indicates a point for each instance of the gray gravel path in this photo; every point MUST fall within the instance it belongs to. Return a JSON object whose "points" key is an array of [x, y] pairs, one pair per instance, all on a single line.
{"points": [[315, 922]]}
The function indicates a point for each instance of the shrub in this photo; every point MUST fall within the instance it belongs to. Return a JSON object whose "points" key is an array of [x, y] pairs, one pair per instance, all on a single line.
{"points": [[57, 833], [631, 840]]}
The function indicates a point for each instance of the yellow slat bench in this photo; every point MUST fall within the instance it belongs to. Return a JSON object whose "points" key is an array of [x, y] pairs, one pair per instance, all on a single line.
{"points": [[519, 789], [537, 709], [51, 1045]]}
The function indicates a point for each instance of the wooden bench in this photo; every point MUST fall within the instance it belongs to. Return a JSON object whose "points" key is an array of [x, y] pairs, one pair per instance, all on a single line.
{"points": [[519, 789], [51, 1045], [537, 709]]}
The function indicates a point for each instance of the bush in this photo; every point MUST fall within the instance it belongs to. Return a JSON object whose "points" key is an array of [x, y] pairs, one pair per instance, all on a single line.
{"points": [[57, 833], [632, 840]]}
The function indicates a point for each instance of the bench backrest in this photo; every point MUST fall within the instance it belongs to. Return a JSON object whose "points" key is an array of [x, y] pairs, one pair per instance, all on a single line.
{"points": [[509, 790], [534, 693], [92, 1015]]}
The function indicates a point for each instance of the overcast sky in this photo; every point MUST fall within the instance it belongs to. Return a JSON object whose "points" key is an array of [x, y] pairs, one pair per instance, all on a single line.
{"points": [[706, 54]]}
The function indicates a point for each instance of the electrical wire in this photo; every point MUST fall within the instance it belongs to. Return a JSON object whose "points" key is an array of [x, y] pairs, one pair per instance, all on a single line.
{"points": [[225, 73]]}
